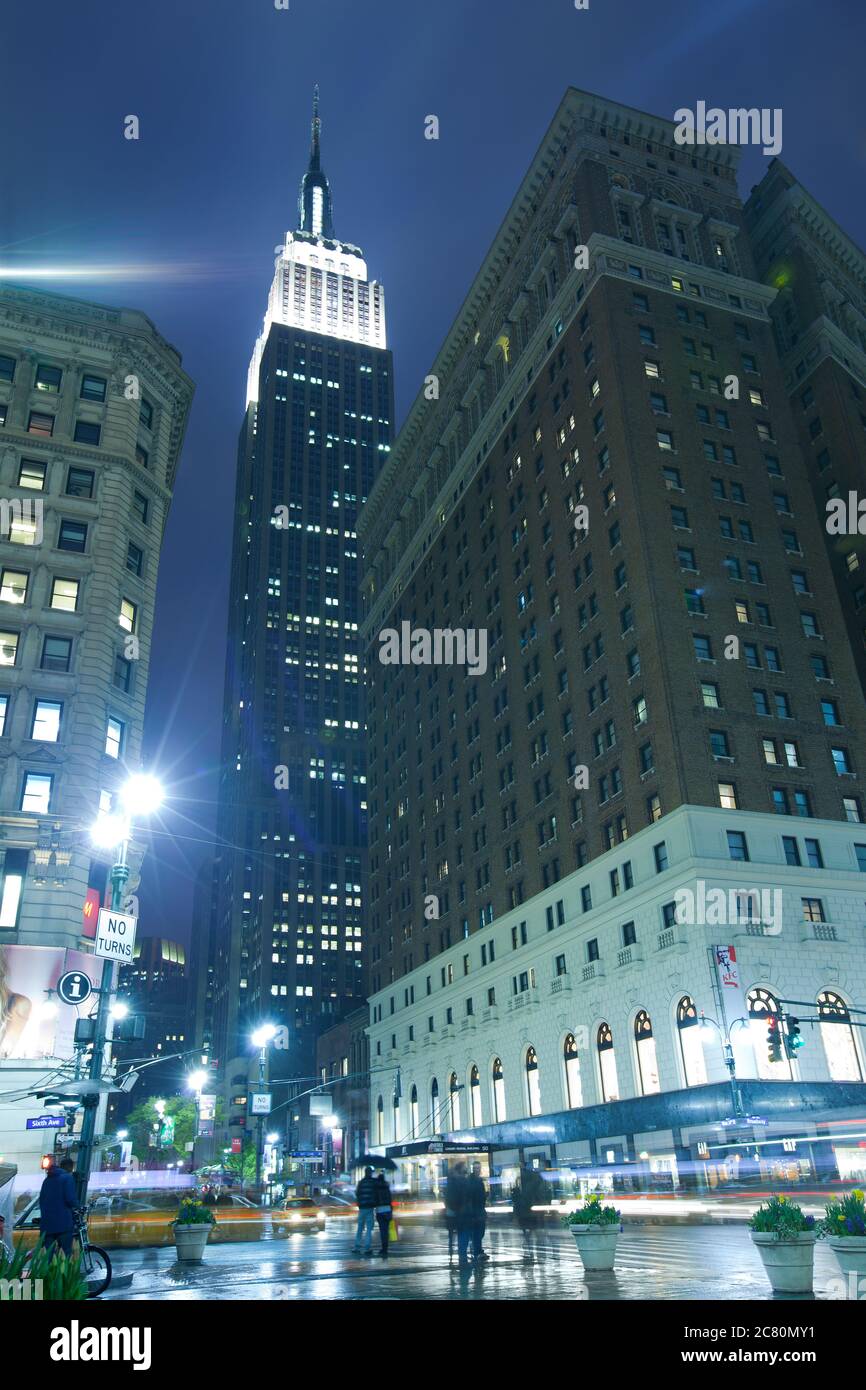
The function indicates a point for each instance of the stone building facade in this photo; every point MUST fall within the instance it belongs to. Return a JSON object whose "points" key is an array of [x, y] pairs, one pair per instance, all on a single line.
{"points": [[93, 408], [601, 473]]}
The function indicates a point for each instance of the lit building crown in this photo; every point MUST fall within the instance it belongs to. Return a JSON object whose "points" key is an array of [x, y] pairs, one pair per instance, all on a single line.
{"points": [[320, 284]]}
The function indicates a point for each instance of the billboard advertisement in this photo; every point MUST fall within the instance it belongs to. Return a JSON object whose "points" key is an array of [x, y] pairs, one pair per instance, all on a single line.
{"points": [[33, 1021]]}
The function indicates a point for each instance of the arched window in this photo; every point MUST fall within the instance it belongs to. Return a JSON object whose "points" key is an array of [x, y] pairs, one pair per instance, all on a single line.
{"points": [[413, 1112], [533, 1088], [474, 1097], [380, 1121], [396, 1108], [454, 1100], [691, 1043], [498, 1081], [434, 1105], [573, 1088], [645, 1046], [762, 1006], [607, 1063], [837, 1035]]}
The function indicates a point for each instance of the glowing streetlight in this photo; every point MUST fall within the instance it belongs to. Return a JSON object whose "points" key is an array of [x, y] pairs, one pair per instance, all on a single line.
{"points": [[109, 830], [142, 794], [119, 1010], [123, 1134], [196, 1080], [262, 1036], [272, 1138]]}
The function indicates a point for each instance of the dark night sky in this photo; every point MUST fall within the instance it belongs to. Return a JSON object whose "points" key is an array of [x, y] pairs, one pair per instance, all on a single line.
{"points": [[223, 92]]}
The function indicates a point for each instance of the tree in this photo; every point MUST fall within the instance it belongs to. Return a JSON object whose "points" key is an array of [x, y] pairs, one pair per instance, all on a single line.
{"points": [[177, 1127]]}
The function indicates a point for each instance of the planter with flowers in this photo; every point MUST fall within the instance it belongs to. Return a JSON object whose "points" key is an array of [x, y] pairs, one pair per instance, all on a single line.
{"points": [[595, 1228], [844, 1227], [192, 1226], [786, 1244]]}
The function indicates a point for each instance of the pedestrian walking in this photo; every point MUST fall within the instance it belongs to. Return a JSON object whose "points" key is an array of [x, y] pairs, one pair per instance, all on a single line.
{"points": [[58, 1199], [459, 1200], [452, 1196], [383, 1211], [365, 1196], [477, 1200], [526, 1194]]}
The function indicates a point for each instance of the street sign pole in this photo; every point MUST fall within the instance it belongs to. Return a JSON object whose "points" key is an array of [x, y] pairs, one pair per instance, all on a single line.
{"points": [[119, 877]]}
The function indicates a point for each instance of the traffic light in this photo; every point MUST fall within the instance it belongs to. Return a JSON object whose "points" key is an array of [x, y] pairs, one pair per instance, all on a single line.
{"points": [[774, 1043], [793, 1040]]}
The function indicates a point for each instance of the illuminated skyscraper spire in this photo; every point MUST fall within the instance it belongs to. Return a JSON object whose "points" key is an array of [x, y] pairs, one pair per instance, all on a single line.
{"points": [[315, 211]]}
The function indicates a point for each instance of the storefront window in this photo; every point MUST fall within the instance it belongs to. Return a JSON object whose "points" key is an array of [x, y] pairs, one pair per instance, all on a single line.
{"points": [[474, 1097], [607, 1063], [691, 1043], [498, 1092], [413, 1112], [837, 1035], [533, 1088], [454, 1099], [645, 1045], [573, 1088]]}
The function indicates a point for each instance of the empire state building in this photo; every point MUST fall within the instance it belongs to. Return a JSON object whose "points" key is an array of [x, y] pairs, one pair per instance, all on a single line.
{"points": [[290, 887]]}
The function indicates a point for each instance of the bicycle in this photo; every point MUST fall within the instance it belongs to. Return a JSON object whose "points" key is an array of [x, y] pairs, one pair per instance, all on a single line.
{"points": [[93, 1260]]}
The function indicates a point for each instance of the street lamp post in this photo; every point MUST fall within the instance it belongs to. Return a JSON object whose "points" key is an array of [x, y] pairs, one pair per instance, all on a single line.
{"points": [[195, 1081], [142, 795], [730, 1062], [261, 1037]]}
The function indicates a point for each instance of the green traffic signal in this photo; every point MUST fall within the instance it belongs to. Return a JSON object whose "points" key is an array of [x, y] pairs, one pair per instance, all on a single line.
{"points": [[793, 1039]]}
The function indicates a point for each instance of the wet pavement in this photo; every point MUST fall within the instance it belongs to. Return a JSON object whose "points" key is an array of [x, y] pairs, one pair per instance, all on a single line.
{"points": [[652, 1262]]}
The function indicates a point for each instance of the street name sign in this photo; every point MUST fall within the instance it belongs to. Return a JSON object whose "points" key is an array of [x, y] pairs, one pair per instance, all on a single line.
{"points": [[115, 935], [46, 1122]]}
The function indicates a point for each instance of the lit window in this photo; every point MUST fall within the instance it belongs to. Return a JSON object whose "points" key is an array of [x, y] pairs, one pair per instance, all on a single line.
{"points": [[36, 794], [128, 615], [13, 586], [8, 648], [46, 721], [64, 594], [114, 738]]}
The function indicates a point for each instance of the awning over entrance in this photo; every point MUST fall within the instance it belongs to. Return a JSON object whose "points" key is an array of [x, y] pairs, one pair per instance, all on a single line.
{"points": [[422, 1147]]}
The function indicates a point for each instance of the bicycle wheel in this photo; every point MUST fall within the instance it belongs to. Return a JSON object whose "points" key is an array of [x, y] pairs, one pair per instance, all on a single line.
{"points": [[96, 1269]]}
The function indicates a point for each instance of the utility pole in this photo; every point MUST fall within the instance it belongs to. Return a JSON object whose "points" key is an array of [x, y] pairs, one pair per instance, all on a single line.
{"points": [[119, 878]]}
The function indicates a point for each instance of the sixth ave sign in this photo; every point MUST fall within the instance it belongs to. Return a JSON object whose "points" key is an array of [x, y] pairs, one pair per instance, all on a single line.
{"points": [[115, 935]]}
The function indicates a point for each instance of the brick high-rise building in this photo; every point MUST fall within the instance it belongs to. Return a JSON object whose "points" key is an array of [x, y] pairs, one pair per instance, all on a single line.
{"points": [[819, 314], [681, 641], [318, 425]]}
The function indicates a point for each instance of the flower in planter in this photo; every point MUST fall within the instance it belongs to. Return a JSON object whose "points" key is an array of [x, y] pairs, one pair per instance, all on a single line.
{"points": [[193, 1213], [845, 1216], [592, 1213], [781, 1218]]}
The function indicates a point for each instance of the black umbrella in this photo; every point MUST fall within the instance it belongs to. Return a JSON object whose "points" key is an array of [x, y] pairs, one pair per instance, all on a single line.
{"points": [[375, 1161]]}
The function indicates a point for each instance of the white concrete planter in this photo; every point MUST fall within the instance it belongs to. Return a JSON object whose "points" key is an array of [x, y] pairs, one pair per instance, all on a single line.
{"points": [[789, 1263], [850, 1251], [596, 1244], [190, 1241]]}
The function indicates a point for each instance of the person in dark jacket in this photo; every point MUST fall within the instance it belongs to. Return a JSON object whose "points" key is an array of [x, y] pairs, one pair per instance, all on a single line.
{"points": [[453, 1199], [476, 1194], [365, 1196], [383, 1211], [458, 1200], [58, 1199]]}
